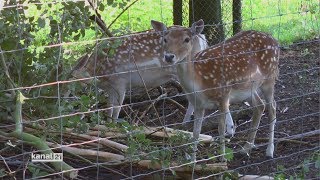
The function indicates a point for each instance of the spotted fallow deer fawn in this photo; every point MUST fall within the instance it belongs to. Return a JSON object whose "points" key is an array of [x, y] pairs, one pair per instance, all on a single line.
{"points": [[229, 72], [136, 62]]}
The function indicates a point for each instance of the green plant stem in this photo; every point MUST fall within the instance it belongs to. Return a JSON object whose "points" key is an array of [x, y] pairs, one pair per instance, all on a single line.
{"points": [[6, 71], [17, 115], [45, 149]]}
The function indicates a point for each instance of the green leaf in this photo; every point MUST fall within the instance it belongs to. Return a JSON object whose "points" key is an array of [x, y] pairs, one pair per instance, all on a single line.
{"points": [[8, 44], [41, 23], [110, 2], [101, 7], [85, 100], [76, 37], [229, 154], [306, 168], [31, 19], [36, 172]]}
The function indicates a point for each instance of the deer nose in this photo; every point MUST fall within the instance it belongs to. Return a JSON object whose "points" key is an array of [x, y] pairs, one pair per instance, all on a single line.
{"points": [[169, 58]]}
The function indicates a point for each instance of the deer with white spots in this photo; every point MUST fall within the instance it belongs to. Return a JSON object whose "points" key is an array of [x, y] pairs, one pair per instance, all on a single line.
{"points": [[242, 67], [136, 62]]}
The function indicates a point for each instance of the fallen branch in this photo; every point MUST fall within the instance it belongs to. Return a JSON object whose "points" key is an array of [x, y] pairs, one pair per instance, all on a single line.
{"points": [[298, 136], [158, 131], [105, 156], [267, 139], [218, 167], [152, 104], [254, 177], [166, 116], [168, 132], [104, 141], [291, 138], [182, 108], [106, 134]]}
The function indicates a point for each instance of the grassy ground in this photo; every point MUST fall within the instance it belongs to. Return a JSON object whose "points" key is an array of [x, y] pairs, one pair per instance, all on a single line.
{"points": [[288, 20]]}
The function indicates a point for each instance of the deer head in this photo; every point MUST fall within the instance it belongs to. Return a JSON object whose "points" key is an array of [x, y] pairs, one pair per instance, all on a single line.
{"points": [[178, 42]]}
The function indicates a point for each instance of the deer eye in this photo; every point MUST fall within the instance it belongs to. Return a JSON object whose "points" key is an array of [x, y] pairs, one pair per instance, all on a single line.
{"points": [[165, 40], [187, 40]]}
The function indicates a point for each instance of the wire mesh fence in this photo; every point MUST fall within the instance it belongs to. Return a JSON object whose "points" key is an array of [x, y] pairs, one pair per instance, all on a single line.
{"points": [[90, 82]]}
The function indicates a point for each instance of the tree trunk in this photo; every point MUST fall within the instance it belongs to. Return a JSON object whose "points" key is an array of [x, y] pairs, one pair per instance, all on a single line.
{"points": [[236, 16], [210, 12], [177, 12]]}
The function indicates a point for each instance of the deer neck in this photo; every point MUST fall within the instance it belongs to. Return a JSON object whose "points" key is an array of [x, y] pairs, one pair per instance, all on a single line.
{"points": [[186, 74]]}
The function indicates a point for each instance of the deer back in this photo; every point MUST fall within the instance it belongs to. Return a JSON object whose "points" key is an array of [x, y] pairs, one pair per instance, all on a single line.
{"points": [[140, 51], [248, 57]]}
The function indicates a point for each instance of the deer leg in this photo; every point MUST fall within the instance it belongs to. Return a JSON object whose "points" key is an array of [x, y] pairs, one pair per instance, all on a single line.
{"points": [[198, 113], [189, 112], [110, 101], [268, 91], [118, 102], [116, 93], [229, 124], [223, 118], [258, 108]]}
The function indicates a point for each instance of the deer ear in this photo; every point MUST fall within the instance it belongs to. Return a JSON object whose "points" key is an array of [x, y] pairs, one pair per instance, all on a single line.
{"points": [[197, 27], [158, 26]]}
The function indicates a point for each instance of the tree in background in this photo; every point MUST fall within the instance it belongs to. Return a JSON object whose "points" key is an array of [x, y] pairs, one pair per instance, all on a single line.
{"points": [[236, 16], [210, 12]]}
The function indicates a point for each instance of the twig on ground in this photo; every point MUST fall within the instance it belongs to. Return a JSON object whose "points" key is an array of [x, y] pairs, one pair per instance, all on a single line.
{"points": [[152, 104], [182, 108], [218, 167], [10, 172], [291, 138], [166, 116], [104, 141], [168, 132]]}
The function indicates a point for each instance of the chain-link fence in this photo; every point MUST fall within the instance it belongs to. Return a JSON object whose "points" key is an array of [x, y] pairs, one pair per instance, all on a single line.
{"points": [[88, 91]]}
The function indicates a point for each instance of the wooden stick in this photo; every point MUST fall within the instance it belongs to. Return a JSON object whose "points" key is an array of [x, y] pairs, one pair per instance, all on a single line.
{"points": [[152, 104], [291, 139], [168, 132], [106, 156], [254, 177], [107, 134], [104, 141], [166, 116], [178, 104], [218, 167], [298, 136]]}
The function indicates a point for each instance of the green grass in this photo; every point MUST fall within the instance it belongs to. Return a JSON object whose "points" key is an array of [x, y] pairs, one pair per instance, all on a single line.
{"points": [[287, 20]]}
